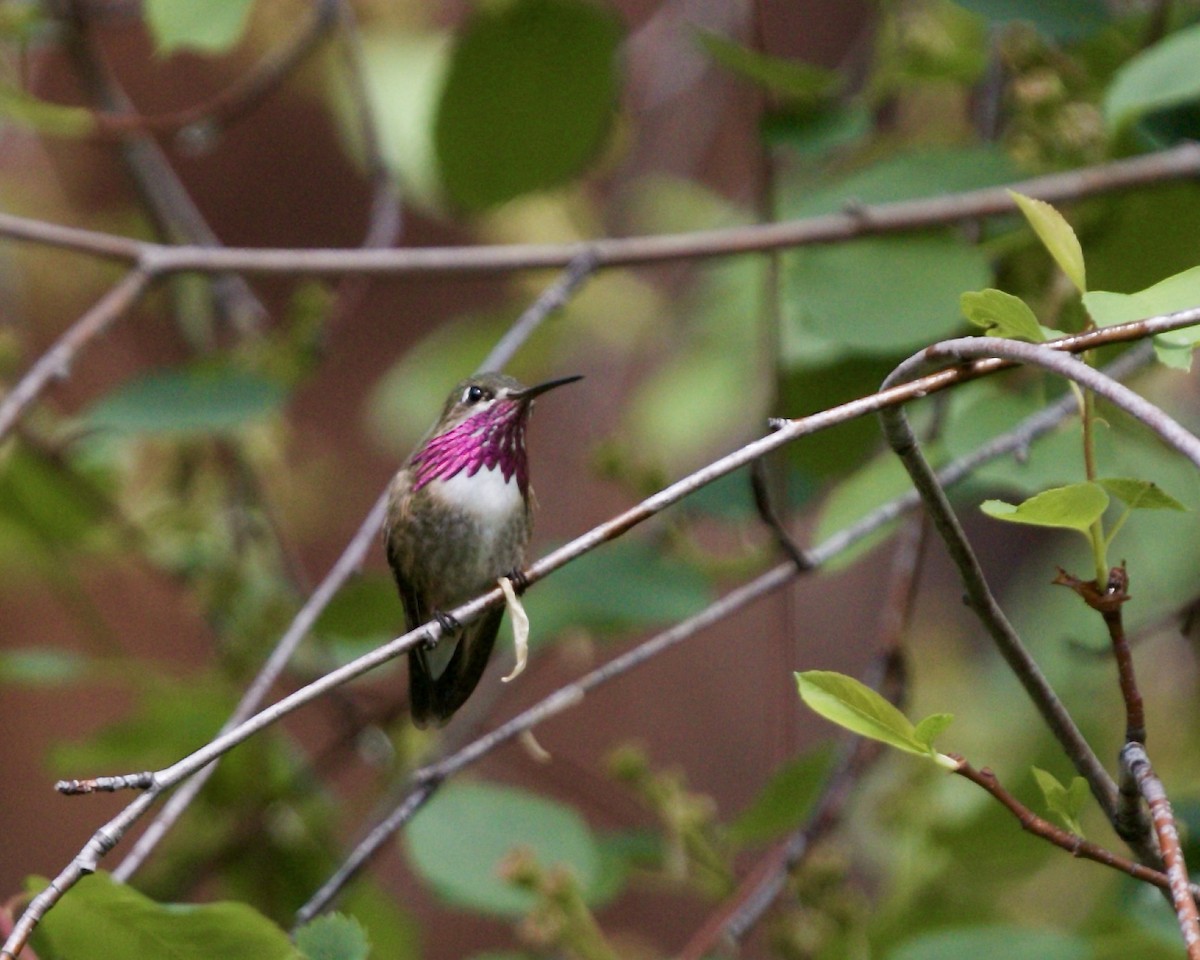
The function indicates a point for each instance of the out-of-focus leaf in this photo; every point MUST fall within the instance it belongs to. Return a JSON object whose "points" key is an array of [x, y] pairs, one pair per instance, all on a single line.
{"points": [[404, 76], [31, 667], [1056, 19], [1159, 77], [1140, 494], [1179, 292], [882, 479], [213, 26], [813, 133], [1057, 236], [192, 400], [1001, 314], [108, 920], [44, 117], [42, 498], [529, 97], [623, 585], [1074, 507], [993, 943], [884, 295], [333, 937], [459, 839], [790, 79], [366, 612], [784, 803]]}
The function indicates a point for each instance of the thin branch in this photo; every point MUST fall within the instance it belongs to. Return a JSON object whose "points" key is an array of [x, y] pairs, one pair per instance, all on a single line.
{"points": [[983, 602], [235, 101], [428, 779], [1176, 163], [111, 833], [1074, 844], [1108, 602], [163, 194], [351, 559], [1135, 760], [55, 363]]}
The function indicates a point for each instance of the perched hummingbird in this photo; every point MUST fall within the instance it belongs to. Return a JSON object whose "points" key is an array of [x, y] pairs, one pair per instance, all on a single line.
{"points": [[458, 519]]}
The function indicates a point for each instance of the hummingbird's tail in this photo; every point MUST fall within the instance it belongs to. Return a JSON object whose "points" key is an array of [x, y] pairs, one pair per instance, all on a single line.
{"points": [[436, 698]]}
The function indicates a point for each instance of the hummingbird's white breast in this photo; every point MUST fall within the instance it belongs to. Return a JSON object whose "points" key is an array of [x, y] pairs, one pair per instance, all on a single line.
{"points": [[487, 496]]}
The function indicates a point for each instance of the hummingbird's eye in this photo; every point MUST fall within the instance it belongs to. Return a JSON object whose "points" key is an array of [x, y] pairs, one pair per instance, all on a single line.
{"points": [[473, 394]]}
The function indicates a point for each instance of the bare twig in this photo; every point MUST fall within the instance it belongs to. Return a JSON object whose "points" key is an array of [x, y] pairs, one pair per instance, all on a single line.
{"points": [[1135, 760], [1075, 845], [1108, 603], [55, 363], [172, 775], [1176, 163]]}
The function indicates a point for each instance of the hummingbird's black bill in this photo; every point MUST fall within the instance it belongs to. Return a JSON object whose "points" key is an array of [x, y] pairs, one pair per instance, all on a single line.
{"points": [[530, 392]]}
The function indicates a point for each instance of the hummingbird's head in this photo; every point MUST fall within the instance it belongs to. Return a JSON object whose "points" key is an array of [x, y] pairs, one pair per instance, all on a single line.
{"points": [[482, 427]]}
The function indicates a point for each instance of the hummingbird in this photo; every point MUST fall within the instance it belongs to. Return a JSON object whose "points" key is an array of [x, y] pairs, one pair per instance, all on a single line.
{"points": [[458, 519]]}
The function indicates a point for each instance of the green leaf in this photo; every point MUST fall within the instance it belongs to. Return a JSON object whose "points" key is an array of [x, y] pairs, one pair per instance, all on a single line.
{"points": [[931, 727], [47, 499], [365, 613], [790, 79], [190, 400], [106, 920], [49, 118], [1065, 804], [910, 300], [859, 709], [529, 98], [1074, 507], [213, 26], [993, 942], [1056, 235], [1001, 314], [1057, 19], [886, 295], [458, 840], [333, 937], [1140, 494], [1178, 292], [784, 803], [404, 74], [1162, 76]]}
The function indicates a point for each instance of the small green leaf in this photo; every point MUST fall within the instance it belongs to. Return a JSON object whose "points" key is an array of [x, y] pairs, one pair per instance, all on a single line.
{"points": [[1056, 236], [459, 839], [1074, 507], [1159, 77], [790, 79], [189, 400], [1140, 494], [931, 727], [1001, 314], [859, 709], [784, 803], [1065, 804], [333, 937], [106, 920], [994, 942], [210, 27], [1181, 291], [44, 117]]}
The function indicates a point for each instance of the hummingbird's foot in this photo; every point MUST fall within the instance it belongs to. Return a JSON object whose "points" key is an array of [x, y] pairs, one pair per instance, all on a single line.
{"points": [[520, 582], [448, 624]]}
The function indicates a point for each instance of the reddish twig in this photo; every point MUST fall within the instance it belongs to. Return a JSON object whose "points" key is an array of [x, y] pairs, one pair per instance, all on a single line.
{"points": [[1074, 844], [1108, 603]]}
